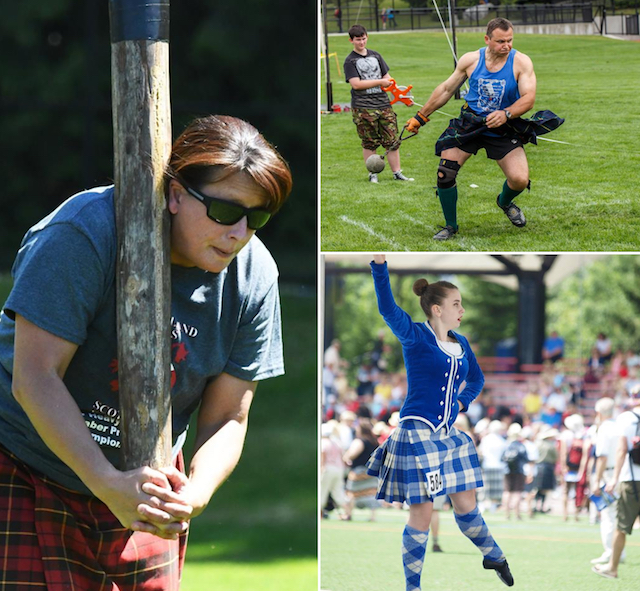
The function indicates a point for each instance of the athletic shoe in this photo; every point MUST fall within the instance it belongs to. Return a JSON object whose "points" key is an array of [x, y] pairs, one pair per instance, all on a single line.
{"points": [[398, 176], [513, 212], [436, 548], [502, 570], [603, 572], [446, 233], [373, 177]]}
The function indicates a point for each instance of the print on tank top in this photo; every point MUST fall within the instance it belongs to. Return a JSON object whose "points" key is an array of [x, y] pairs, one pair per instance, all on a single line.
{"points": [[490, 93]]}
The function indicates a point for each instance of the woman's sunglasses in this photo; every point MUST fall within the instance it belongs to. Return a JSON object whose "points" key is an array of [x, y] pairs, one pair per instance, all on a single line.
{"points": [[228, 213]]}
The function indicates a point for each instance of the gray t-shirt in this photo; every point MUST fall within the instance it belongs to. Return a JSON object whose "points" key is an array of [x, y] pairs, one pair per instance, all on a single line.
{"points": [[64, 282], [367, 67]]}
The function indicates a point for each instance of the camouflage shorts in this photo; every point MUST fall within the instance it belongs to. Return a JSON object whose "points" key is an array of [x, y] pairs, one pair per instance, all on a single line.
{"points": [[376, 127]]}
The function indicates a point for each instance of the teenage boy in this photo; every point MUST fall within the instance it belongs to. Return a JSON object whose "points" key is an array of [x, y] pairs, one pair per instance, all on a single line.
{"points": [[368, 74]]}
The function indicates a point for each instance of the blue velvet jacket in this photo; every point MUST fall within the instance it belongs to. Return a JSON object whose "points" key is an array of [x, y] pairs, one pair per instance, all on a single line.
{"points": [[435, 377]]}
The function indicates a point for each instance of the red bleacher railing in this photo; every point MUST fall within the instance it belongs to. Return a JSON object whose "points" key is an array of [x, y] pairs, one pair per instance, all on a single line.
{"points": [[507, 386]]}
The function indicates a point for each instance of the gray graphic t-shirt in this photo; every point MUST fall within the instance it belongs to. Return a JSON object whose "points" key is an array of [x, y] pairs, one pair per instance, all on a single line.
{"points": [[369, 67], [64, 282]]}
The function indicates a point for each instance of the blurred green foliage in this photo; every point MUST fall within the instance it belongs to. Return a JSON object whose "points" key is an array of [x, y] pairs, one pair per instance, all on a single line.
{"points": [[603, 296], [254, 60], [358, 322]]}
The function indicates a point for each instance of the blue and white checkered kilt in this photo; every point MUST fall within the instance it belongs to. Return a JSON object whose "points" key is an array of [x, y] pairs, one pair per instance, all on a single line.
{"points": [[412, 451]]}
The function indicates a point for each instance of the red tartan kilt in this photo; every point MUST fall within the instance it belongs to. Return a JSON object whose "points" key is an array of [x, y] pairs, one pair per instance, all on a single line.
{"points": [[582, 489], [57, 539]]}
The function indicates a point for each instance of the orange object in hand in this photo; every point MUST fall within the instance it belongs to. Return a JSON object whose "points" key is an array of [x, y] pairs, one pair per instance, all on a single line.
{"points": [[400, 94]]}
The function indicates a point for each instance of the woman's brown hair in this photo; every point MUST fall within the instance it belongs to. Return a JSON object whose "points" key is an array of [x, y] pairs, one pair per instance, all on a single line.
{"points": [[431, 294], [215, 147]]}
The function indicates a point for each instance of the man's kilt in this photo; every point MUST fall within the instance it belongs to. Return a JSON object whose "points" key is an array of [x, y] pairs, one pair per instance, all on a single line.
{"points": [[57, 539], [469, 125]]}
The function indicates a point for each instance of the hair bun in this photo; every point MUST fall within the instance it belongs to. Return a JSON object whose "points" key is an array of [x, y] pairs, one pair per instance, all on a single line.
{"points": [[420, 286]]}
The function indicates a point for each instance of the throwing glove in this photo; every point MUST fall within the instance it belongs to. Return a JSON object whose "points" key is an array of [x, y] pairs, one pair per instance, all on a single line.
{"points": [[416, 122]]}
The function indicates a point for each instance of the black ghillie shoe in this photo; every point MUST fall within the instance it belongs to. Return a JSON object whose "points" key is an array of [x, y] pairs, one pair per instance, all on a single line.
{"points": [[514, 213], [446, 233], [502, 570]]}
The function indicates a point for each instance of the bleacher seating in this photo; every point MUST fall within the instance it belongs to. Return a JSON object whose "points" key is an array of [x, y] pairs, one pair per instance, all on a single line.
{"points": [[507, 387]]}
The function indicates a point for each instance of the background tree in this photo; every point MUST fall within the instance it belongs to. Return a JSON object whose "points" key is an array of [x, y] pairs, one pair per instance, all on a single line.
{"points": [[491, 313], [357, 320], [603, 297], [256, 61]]}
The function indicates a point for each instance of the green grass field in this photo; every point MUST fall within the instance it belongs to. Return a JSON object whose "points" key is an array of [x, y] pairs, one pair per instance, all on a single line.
{"points": [[545, 554], [260, 529], [583, 194]]}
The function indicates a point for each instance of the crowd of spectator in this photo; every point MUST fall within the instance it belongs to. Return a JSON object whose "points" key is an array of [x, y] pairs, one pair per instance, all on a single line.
{"points": [[538, 448], [560, 388]]}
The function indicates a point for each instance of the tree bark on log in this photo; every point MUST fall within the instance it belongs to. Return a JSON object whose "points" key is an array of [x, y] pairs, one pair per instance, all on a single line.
{"points": [[142, 145]]}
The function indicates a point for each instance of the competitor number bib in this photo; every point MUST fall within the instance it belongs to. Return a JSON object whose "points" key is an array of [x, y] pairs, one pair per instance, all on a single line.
{"points": [[434, 482]]}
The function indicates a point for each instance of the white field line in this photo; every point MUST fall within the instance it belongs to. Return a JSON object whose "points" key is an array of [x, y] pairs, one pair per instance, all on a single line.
{"points": [[373, 233]]}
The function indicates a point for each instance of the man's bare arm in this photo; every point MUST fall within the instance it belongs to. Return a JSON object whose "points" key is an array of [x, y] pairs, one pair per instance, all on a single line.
{"points": [[527, 84], [444, 91]]}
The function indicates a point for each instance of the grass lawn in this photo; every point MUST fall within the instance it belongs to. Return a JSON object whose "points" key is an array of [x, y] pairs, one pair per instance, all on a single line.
{"points": [[583, 191], [260, 529], [544, 553], [282, 575]]}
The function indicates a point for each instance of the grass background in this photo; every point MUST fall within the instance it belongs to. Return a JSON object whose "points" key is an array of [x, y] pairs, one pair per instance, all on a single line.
{"points": [[544, 553], [260, 529], [583, 195]]}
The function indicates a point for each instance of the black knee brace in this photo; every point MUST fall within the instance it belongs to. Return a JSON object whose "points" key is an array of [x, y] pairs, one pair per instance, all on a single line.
{"points": [[447, 172]]}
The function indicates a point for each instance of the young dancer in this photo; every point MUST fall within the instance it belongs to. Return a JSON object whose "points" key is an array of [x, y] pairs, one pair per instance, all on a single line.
{"points": [[426, 456]]}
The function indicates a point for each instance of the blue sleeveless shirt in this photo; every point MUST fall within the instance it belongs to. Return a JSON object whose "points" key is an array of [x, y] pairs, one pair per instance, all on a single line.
{"points": [[492, 91]]}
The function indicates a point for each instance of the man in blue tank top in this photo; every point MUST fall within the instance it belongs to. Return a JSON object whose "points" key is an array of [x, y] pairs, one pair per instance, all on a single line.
{"points": [[502, 88]]}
